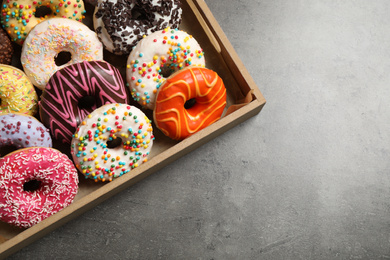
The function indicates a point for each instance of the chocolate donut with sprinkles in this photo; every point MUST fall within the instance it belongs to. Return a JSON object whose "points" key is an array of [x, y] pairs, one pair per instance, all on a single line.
{"points": [[75, 91], [35, 183], [21, 131], [156, 57], [111, 141], [19, 17], [120, 24]]}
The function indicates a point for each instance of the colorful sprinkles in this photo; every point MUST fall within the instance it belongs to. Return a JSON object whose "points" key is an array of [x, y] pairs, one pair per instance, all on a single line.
{"points": [[157, 56], [16, 92], [19, 17], [49, 38], [92, 149]]}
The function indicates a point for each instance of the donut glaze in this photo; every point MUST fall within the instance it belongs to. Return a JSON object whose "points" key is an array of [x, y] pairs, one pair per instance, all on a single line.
{"points": [[121, 24], [56, 183], [60, 110], [202, 85], [16, 92], [6, 49], [50, 37], [22, 131], [91, 149], [164, 51], [19, 17]]}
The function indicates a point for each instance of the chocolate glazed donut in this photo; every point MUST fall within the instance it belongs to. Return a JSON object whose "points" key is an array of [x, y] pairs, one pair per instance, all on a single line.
{"points": [[75, 91]]}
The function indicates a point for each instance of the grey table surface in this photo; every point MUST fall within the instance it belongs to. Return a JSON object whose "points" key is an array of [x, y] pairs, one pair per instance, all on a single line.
{"points": [[307, 178]]}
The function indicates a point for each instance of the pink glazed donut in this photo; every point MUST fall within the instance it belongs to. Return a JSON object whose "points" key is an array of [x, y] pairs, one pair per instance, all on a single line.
{"points": [[35, 183]]}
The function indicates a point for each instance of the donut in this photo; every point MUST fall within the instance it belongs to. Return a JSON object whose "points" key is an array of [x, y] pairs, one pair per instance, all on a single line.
{"points": [[157, 55], [20, 131], [111, 141], [121, 24], [20, 16], [52, 37], [75, 91], [6, 49], [35, 183], [16, 92], [188, 101]]}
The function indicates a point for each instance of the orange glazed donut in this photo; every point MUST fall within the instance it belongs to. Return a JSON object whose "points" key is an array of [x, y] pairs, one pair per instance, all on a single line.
{"points": [[188, 101]]}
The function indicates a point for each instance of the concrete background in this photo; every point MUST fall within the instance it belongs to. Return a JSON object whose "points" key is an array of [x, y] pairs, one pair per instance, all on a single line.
{"points": [[308, 178]]}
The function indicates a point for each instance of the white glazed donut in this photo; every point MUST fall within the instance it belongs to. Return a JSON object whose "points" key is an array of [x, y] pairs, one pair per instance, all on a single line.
{"points": [[158, 54], [51, 37], [111, 141], [121, 24]]}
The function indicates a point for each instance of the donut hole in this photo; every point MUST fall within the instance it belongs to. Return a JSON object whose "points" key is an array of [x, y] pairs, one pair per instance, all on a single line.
{"points": [[42, 11], [62, 58], [190, 103], [32, 185], [87, 102], [138, 14], [166, 71], [114, 143]]}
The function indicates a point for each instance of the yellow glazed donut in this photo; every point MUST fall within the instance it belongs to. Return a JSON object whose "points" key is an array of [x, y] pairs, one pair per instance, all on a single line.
{"points": [[19, 17], [16, 92]]}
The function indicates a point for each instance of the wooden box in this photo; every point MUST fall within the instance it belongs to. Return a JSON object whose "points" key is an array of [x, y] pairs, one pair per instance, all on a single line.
{"points": [[244, 101]]}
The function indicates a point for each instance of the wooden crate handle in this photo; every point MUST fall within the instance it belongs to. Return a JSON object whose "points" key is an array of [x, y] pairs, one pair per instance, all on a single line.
{"points": [[224, 47]]}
